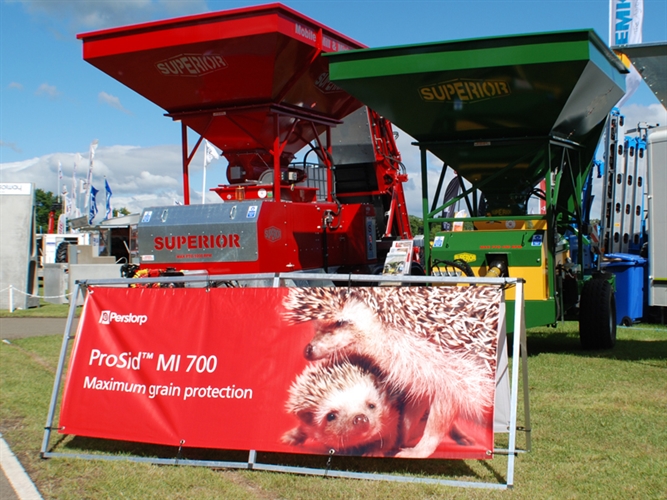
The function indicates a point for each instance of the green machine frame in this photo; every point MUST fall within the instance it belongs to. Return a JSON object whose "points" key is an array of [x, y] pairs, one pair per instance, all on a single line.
{"points": [[504, 113], [565, 172]]}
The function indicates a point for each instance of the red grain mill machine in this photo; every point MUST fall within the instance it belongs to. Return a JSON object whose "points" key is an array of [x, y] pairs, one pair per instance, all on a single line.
{"points": [[252, 82]]}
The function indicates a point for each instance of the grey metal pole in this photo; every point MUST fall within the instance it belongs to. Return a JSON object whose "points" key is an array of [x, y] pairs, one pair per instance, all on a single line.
{"points": [[519, 326], [526, 397], [59, 371]]}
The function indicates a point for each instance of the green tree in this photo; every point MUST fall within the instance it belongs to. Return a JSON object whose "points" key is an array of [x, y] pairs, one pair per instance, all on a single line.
{"points": [[44, 202], [117, 212], [416, 225]]}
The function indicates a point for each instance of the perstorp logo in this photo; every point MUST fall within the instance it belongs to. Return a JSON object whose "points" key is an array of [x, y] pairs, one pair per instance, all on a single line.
{"points": [[108, 317]]}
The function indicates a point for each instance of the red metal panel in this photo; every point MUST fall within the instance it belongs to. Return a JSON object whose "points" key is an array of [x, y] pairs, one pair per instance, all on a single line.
{"points": [[223, 59], [202, 69], [290, 237]]}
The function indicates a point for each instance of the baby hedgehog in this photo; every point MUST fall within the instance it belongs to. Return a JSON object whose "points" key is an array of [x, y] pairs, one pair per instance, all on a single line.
{"points": [[345, 407], [434, 344]]}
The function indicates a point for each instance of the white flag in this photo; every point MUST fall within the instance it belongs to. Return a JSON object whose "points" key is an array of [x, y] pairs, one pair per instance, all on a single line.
{"points": [[93, 147], [60, 178], [211, 154], [62, 224], [89, 179], [626, 19], [73, 203], [67, 204]]}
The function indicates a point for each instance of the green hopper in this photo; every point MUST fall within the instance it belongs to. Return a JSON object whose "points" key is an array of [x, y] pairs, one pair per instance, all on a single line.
{"points": [[505, 113]]}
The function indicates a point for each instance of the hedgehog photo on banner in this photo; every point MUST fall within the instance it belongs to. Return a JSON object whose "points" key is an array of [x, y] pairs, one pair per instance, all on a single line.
{"points": [[407, 372]]}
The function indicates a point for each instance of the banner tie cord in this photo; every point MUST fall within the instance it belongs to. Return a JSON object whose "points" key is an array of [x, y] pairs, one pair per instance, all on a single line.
{"points": [[180, 449], [331, 454]]}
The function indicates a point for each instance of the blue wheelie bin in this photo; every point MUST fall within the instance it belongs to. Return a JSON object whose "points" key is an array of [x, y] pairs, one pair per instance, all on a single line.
{"points": [[630, 272]]}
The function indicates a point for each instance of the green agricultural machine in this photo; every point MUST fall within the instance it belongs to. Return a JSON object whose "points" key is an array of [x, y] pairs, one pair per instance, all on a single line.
{"points": [[507, 114]]}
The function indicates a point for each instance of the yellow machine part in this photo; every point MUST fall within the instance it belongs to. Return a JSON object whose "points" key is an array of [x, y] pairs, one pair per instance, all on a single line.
{"points": [[537, 278], [510, 224]]}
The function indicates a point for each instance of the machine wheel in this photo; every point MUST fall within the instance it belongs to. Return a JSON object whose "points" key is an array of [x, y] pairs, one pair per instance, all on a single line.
{"points": [[626, 321], [416, 269], [61, 252], [597, 315]]}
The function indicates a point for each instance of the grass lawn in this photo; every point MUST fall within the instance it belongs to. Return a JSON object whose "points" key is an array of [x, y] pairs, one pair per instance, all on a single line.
{"points": [[599, 431]]}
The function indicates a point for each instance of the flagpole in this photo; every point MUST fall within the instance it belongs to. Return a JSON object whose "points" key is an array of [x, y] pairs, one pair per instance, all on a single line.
{"points": [[210, 154], [89, 180], [203, 188], [74, 196]]}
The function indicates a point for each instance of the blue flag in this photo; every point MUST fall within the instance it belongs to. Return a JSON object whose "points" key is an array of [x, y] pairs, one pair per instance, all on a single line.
{"points": [[109, 211], [93, 204]]}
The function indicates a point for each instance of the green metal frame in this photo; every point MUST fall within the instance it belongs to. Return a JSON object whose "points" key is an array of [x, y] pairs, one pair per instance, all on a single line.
{"points": [[504, 113], [565, 175], [563, 195]]}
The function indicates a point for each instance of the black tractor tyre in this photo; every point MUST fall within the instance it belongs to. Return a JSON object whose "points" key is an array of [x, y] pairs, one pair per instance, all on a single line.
{"points": [[61, 252], [597, 315]]}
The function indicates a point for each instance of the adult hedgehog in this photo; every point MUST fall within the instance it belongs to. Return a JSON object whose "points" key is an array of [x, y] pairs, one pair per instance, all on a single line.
{"points": [[435, 344]]}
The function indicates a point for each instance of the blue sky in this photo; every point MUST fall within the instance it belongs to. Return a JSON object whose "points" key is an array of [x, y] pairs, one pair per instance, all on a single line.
{"points": [[53, 104]]}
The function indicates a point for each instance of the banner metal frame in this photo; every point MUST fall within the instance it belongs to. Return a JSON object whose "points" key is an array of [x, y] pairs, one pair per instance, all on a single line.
{"points": [[519, 363]]}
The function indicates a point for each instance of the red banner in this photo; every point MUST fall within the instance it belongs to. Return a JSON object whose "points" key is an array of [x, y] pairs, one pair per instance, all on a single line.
{"points": [[387, 371]]}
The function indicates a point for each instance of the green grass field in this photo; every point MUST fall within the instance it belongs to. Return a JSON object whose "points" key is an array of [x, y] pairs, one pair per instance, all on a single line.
{"points": [[45, 310], [599, 431]]}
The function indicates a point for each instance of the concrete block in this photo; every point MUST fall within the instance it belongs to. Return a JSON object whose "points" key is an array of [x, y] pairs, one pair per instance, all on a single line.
{"points": [[80, 272]]}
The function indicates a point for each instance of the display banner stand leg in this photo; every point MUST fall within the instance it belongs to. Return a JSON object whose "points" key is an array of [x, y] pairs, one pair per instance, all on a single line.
{"points": [[61, 366], [526, 399], [519, 362], [252, 456], [519, 359]]}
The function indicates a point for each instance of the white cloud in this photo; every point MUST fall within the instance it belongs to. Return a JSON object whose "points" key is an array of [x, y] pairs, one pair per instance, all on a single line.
{"points": [[15, 85], [10, 145], [47, 90], [138, 176], [112, 101], [653, 114], [152, 176], [16, 166], [146, 180]]}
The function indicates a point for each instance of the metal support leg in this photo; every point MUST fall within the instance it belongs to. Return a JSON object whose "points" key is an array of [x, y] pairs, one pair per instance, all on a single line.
{"points": [[519, 331], [59, 372]]}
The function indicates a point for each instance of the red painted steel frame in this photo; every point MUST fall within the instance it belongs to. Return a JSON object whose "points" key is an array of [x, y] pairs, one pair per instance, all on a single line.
{"points": [[305, 242], [222, 73]]}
